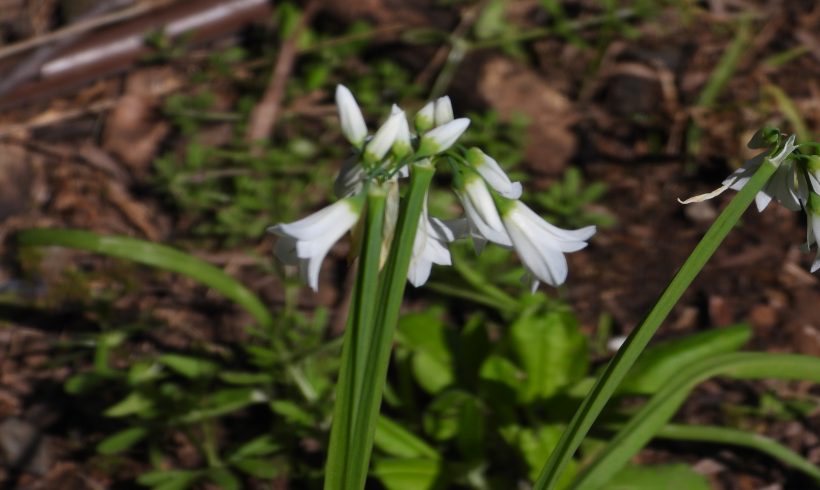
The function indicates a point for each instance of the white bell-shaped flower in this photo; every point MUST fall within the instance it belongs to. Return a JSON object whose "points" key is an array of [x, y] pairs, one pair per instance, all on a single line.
{"points": [[489, 169], [350, 180], [306, 242], [540, 245], [429, 247], [483, 220], [352, 121], [813, 227], [442, 137]]}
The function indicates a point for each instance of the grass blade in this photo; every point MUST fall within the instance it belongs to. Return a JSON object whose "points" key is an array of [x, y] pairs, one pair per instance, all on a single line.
{"points": [[661, 407], [154, 255]]}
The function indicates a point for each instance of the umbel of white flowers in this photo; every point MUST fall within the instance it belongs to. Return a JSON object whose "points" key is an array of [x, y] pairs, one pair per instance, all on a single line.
{"points": [[795, 183], [492, 211]]}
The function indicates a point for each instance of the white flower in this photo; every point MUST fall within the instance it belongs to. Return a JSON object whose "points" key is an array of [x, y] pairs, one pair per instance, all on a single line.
{"points": [[483, 219], [443, 111], [442, 137], [353, 125], [381, 142], [813, 227], [540, 245], [306, 242], [401, 145], [788, 184], [425, 118], [493, 174], [429, 247]]}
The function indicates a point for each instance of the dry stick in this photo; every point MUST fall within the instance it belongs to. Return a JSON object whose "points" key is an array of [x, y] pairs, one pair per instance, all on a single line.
{"points": [[83, 26], [264, 114], [31, 66]]}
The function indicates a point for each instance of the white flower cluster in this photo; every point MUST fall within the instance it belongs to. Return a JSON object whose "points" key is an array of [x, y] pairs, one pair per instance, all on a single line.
{"points": [[795, 183], [492, 210]]}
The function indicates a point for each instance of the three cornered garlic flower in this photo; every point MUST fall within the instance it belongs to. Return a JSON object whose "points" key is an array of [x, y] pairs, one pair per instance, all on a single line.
{"points": [[795, 182], [306, 242], [787, 185], [540, 245], [488, 196]]}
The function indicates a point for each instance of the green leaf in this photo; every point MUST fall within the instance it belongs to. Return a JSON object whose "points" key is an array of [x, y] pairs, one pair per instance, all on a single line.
{"points": [[224, 479], [654, 477], [293, 413], [368, 341], [427, 337], [243, 378], [260, 446], [536, 444], [258, 467], [661, 407], [225, 401], [133, 404], [552, 352], [168, 479], [395, 440], [409, 474], [122, 440], [154, 255], [189, 366], [659, 363], [451, 413]]}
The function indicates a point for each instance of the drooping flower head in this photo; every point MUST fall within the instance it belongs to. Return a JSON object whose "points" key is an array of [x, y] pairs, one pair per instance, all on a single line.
{"points": [[380, 160]]}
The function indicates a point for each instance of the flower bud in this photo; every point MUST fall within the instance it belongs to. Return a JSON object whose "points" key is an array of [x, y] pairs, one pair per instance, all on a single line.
{"points": [[353, 125]]}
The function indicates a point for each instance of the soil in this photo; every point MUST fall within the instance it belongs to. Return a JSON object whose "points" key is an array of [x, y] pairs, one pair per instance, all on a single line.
{"points": [[621, 109]]}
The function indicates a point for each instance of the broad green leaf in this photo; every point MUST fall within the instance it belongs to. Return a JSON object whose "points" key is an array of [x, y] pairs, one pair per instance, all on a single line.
{"points": [[84, 382], [189, 366], [133, 404], [409, 474], [551, 350], [661, 407], [122, 440], [395, 440], [660, 362], [432, 361], [655, 477], [155, 255], [536, 444], [452, 413]]}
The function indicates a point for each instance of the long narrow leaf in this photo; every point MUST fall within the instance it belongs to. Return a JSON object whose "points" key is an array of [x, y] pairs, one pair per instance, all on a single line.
{"points": [[618, 367], [358, 337], [661, 407], [388, 301], [154, 255]]}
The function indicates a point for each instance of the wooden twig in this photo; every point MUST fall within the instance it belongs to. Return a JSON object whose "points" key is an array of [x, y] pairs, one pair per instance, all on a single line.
{"points": [[266, 111]]}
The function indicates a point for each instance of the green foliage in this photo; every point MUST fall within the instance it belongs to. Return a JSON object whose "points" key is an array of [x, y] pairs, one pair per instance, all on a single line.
{"points": [[567, 202]]}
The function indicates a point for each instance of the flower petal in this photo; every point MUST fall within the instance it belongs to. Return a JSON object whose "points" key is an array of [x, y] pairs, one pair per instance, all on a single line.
{"points": [[352, 121]]}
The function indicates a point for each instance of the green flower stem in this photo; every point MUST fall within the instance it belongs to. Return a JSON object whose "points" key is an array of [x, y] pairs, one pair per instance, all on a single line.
{"points": [[348, 463], [617, 368], [357, 336]]}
